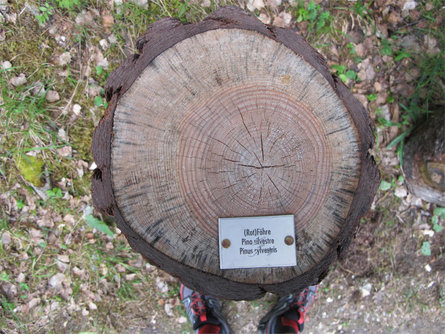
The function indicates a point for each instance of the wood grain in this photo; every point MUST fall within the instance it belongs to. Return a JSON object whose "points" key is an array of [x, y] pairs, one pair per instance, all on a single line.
{"points": [[223, 118]]}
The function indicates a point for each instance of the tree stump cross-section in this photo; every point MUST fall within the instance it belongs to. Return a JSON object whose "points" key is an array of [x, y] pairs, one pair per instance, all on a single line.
{"points": [[231, 118]]}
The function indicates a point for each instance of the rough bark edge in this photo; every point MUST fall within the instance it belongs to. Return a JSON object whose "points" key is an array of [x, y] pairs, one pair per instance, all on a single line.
{"points": [[159, 37], [427, 142]]}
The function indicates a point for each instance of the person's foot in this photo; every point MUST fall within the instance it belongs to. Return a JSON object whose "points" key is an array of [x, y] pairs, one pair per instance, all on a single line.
{"points": [[204, 312], [288, 315]]}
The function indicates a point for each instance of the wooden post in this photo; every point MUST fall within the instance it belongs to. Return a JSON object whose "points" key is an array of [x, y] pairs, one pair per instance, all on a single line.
{"points": [[229, 117]]}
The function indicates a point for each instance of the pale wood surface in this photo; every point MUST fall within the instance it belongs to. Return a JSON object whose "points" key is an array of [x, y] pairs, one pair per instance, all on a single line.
{"points": [[229, 118]]}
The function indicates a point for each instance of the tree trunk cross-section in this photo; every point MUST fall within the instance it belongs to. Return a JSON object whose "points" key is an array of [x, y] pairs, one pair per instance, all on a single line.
{"points": [[229, 118]]}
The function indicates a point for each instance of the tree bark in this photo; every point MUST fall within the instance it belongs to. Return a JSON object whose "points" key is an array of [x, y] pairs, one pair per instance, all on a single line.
{"points": [[229, 117], [424, 160]]}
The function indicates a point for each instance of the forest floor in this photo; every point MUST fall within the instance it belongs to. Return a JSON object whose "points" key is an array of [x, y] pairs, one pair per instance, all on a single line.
{"points": [[63, 269]]}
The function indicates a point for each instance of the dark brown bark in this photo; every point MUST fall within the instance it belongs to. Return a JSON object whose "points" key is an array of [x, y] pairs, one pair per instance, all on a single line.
{"points": [[158, 38], [424, 160]]}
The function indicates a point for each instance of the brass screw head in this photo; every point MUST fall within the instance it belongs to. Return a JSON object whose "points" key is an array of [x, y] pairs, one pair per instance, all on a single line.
{"points": [[226, 243], [289, 240]]}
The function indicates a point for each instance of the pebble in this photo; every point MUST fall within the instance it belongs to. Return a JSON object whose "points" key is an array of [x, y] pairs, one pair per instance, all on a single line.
{"points": [[130, 277], [62, 134], [38, 89], [20, 278], [65, 151], [283, 20], [6, 238], [85, 18], [33, 303], [56, 281], [52, 96], [92, 306], [104, 44], [77, 109], [64, 59], [181, 320], [63, 262], [19, 80], [6, 65], [409, 5], [274, 3], [168, 308], [161, 285], [93, 166], [255, 4], [366, 290], [401, 192]]}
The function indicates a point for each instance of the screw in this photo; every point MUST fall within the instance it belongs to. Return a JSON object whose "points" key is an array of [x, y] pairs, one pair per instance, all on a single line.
{"points": [[225, 243], [289, 240]]}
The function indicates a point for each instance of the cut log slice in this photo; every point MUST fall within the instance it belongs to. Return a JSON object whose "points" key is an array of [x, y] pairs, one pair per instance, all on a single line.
{"points": [[232, 120]]}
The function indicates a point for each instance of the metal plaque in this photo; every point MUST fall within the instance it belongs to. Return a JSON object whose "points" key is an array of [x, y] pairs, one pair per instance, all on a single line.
{"points": [[257, 242]]}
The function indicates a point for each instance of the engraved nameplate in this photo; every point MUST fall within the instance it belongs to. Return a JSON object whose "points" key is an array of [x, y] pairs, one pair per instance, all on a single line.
{"points": [[257, 242]]}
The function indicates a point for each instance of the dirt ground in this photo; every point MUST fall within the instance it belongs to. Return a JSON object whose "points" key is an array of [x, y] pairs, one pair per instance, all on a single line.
{"points": [[66, 269]]}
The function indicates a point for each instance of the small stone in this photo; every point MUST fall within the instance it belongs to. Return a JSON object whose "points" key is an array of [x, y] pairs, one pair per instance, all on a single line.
{"points": [[366, 290], [401, 192], [78, 272], [181, 320], [63, 262], [264, 18], [92, 306], [52, 96], [19, 80], [161, 285], [62, 134], [65, 151], [104, 44], [6, 238], [77, 109], [69, 219], [256, 4], [38, 89], [283, 20], [409, 5], [366, 70], [206, 3], [130, 277], [168, 308], [20, 278], [33, 303], [10, 290], [85, 18], [64, 59], [54, 306], [141, 3], [274, 3], [85, 312], [6, 65], [120, 268], [56, 281]]}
